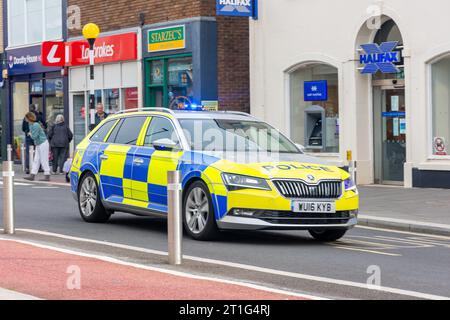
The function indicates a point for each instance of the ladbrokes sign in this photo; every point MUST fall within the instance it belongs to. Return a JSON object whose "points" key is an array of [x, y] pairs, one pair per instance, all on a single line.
{"points": [[115, 48]]}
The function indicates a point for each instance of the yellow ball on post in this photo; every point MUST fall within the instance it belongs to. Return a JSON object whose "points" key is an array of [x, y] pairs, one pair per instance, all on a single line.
{"points": [[91, 31]]}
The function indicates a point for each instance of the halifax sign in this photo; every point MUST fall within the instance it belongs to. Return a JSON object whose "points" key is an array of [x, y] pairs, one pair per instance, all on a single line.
{"points": [[237, 8], [380, 58]]}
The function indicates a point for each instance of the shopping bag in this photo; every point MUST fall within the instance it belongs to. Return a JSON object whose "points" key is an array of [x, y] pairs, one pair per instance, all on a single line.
{"points": [[67, 165]]}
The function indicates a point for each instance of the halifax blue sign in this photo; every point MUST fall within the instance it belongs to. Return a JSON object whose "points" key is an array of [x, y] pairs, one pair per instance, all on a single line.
{"points": [[316, 90], [380, 58], [237, 8]]}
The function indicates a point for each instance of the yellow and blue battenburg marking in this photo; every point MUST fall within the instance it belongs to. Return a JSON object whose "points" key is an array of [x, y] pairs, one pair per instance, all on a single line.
{"points": [[144, 185]]}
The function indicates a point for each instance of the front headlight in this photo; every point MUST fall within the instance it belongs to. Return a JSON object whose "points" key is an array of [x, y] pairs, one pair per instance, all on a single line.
{"points": [[350, 185], [237, 182]]}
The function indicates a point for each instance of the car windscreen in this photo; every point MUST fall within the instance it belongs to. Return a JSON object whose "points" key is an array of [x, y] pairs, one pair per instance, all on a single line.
{"points": [[225, 135]]}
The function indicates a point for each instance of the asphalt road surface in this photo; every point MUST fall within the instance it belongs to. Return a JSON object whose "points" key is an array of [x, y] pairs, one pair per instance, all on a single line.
{"points": [[405, 261]]}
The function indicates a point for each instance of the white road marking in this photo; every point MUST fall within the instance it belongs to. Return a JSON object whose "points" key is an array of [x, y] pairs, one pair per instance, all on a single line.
{"points": [[18, 184], [13, 295], [47, 188], [166, 271], [409, 293], [404, 232], [367, 251]]}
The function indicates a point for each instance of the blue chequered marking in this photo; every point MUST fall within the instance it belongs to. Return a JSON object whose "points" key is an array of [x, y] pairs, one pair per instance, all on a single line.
{"points": [[128, 167], [116, 199], [140, 173], [193, 164], [74, 182], [111, 186], [157, 207], [157, 194], [220, 204]]}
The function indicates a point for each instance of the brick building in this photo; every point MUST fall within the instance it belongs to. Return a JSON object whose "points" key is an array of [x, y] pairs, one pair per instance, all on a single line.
{"points": [[185, 54]]}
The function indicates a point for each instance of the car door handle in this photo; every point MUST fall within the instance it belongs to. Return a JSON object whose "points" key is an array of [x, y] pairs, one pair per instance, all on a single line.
{"points": [[104, 157], [138, 161]]}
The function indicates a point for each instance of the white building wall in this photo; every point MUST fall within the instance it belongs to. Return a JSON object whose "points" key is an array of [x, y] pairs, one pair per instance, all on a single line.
{"points": [[291, 32]]}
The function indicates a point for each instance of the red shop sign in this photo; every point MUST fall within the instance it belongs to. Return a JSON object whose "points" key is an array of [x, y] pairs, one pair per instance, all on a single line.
{"points": [[109, 49]]}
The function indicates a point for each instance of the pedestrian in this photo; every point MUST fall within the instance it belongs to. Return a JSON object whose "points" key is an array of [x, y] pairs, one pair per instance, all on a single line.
{"points": [[41, 154], [28, 141], [60, 138], [100, 115]]}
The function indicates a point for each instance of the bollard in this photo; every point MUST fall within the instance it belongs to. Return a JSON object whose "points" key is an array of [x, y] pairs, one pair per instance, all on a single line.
{"points": [[23, 157], [31, 157], [175, 219], [8, 194]]}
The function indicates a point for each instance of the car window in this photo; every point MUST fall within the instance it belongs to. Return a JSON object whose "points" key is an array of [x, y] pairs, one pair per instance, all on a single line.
{"points": [[102, 132], [160, 128], [127, 131]]}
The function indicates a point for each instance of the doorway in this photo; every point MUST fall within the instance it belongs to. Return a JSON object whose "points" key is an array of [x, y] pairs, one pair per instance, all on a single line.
{"points": [[389, 134]]}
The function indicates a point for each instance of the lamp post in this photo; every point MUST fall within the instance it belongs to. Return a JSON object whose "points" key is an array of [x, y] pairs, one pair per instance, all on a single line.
{"points": [[90, 33]]}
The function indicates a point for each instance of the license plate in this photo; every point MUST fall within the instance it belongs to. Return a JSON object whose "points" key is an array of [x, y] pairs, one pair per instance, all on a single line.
{"points": [[314, 207]]}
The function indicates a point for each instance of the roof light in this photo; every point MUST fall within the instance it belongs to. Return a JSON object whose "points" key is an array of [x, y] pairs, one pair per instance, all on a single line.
{"points": [[192, 107]]}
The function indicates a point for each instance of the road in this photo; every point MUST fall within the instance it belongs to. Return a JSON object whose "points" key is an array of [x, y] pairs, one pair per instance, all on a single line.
{"points": [[405, 261]]}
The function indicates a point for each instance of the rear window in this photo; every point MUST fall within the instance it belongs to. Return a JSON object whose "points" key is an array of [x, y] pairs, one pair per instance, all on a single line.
{"points": [[127, 131], [102, 132]]}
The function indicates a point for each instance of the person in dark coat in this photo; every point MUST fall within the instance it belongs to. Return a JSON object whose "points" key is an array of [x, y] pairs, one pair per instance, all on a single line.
{"points": [[28, 141], [60, 138]]}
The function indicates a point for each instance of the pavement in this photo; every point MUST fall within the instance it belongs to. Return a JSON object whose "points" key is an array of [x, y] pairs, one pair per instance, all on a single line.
{"points": [[415, 210], [55, 274]]}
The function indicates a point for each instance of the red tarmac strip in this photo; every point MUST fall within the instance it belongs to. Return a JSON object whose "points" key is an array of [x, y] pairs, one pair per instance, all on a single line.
{"points": [[43, 273]]}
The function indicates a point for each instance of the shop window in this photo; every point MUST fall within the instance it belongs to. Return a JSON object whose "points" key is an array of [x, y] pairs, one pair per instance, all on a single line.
{"points": [[315, 124], [440, 83], [170, 82], [130, 98], [21, 105], [33, 21], [112, 101], [54, 99]]}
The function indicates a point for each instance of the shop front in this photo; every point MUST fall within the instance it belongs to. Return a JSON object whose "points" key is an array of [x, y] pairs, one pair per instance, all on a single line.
{"points": [[378, 86], [30, 83], [117, 80], [180, 63]]}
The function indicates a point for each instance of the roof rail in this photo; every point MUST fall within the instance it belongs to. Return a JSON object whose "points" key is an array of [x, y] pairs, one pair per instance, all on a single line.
{"points": [[146, 109]]}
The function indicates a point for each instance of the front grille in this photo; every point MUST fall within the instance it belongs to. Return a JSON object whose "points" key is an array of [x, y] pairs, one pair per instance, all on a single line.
{"points": [[301, 190]]}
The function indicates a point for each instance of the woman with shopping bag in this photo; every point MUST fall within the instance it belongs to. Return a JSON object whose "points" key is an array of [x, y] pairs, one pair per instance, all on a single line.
{"points": [[41, 154]]}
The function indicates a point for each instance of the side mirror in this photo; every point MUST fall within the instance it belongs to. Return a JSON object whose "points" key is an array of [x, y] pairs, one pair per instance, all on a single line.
{"points": [[301, 147], [165, 144]]}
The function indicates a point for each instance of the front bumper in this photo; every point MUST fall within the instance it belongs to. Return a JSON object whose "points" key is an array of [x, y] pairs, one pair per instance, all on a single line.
{"points": [[290, 221]]}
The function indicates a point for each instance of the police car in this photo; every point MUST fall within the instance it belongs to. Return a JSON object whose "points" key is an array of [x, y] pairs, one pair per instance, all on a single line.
{"points": [[237, 173]]}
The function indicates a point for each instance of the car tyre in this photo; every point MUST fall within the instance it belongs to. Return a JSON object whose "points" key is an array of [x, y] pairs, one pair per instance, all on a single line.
{"points": [[198, 213], [89, 201], [327, 235]]}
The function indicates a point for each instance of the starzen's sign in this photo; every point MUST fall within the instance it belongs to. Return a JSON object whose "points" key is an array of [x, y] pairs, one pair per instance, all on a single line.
{"points": [[380, 58], [165, 39], [240, 8]]}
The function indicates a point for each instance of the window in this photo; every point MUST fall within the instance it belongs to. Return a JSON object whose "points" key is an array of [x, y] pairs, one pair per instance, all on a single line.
{"points": [[112, 101], [315, 124], [160, 128], [129, 130], [130, 97], [54, 99], [440, 83], [170, 82], [102, 132], [34, 21], [235, 136]]}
